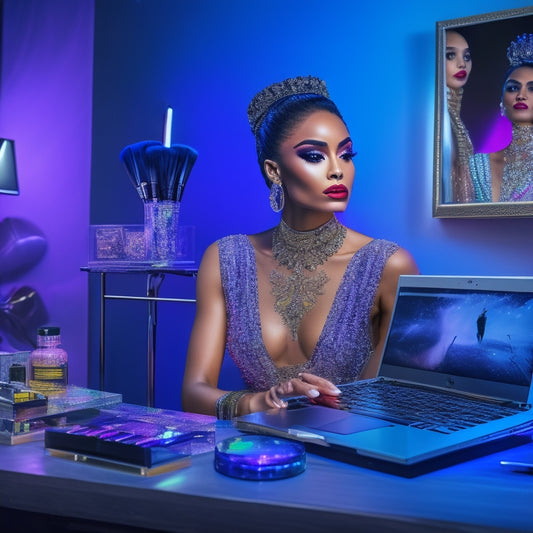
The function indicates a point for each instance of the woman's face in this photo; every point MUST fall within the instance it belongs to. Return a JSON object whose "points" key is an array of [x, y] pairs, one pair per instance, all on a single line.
{"points": [[315, 164], [518, 96], [458, 60]]}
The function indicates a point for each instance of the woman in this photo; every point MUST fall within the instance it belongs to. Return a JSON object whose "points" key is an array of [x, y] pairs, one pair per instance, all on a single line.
{"points": [[507, 175], [306, 304], [458, 68]]}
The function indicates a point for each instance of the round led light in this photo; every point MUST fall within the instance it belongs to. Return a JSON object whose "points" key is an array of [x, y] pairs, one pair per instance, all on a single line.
{"points": [[258, 457]]}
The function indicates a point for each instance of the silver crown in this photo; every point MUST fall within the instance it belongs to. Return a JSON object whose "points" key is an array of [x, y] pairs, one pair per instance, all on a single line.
{"points": [[264, 99], [520, 51]]}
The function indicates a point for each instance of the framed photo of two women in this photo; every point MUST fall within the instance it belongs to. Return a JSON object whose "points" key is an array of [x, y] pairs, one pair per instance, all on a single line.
{"points": [[483, 143]]}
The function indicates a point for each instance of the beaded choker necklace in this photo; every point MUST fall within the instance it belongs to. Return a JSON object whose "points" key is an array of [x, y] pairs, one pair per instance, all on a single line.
{"points": [[517, 181], [301, 251]]}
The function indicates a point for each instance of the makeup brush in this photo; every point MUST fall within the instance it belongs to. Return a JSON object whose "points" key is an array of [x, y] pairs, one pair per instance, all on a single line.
{"points": [[159, 161], [187, 158], [133, 159], [172, 172]]}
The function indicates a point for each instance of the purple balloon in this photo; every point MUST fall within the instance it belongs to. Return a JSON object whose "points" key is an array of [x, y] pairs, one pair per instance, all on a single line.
{"points": [[21, 314], [22, 245]]}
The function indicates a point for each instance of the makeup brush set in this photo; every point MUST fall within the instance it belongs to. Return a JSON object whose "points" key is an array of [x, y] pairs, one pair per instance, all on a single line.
{"points": [[159, 173]]}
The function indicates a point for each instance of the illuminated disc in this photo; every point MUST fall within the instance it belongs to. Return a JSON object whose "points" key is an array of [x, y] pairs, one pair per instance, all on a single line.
{"points": [[258, 457]]}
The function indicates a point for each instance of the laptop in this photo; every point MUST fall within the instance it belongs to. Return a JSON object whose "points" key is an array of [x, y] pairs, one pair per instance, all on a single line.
{"points": [[457, 370]]}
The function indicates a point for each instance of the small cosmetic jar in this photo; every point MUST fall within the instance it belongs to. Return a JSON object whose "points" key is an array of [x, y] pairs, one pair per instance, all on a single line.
{"points": [[259, 457]]}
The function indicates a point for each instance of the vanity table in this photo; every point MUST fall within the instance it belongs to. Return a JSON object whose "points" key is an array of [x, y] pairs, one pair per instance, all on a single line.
{"points": [[154, 279]]}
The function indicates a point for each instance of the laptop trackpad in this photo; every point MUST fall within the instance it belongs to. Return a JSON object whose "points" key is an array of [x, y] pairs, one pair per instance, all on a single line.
{"points": [[333, 421]]}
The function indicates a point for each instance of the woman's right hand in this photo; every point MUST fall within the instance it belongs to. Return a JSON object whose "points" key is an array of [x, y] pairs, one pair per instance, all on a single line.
{"points": [[305, 384]]}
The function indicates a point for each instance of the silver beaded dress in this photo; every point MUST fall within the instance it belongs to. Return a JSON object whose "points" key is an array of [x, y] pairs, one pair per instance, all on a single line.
{"points": [[517, 180], [344, 345]]}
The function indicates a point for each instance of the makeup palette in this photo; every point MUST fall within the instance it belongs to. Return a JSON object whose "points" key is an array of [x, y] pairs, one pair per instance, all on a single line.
{"points": [[145, 443]]}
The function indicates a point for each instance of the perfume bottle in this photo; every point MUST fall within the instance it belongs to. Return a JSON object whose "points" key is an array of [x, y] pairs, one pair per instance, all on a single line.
{"points": [[48, 364]]}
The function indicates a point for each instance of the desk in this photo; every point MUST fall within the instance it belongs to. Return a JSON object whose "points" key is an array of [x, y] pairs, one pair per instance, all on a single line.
{"points": [[154, 279], [477, 496]]}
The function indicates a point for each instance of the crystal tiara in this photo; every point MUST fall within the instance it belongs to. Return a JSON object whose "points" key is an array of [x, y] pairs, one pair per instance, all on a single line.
{"points": [[520, 51], [264, 99]]}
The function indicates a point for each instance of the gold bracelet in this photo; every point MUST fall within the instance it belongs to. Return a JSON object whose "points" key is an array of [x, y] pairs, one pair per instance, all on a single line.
{"points": [[226, 406]]}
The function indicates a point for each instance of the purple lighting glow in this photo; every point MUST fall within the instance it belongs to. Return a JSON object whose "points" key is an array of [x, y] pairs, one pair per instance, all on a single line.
{"points": [[498, 136], [46, 107]]}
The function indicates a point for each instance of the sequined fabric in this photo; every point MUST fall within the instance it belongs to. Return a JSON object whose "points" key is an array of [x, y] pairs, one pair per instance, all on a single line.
{"points": [[344, 345], [481, 177], [462, 188], [517, 179], [517, 182]]}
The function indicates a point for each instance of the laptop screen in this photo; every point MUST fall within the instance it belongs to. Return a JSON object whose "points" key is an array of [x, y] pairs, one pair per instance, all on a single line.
{"points": [[465, 333]]}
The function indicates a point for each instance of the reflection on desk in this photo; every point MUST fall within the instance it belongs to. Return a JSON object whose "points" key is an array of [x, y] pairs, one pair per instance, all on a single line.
{"points": [[74, 403]]}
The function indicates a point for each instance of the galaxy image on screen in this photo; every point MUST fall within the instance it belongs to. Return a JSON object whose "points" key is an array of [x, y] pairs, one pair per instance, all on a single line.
{"points": [[481, 334]]}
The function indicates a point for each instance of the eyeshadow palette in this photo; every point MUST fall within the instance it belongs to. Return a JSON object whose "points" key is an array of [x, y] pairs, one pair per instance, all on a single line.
{"points": [[146, 440]]}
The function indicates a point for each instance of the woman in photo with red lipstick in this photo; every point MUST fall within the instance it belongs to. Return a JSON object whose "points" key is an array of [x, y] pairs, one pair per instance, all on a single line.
{"points": [[507, 175], [458, 68], [305, 305]]}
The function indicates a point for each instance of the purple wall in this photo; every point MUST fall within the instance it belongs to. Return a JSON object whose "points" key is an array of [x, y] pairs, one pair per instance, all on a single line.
{"points": [[46, 107]]}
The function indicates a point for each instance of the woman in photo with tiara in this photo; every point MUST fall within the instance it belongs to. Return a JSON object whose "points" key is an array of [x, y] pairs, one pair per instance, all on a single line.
{"points": [[507, 175], [306, 305]]}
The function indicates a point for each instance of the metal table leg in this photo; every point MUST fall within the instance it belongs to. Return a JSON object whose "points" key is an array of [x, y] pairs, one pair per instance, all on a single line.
{"points": [[152, 292], [102, 329], [154, 281]]}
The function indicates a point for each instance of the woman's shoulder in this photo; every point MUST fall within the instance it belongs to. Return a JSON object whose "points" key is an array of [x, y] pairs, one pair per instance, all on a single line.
{"points": [[356, 242], [236, 244], [223, 246], [397, 258], [226, 247], [233, 239], [402, 262], [222, 253]]}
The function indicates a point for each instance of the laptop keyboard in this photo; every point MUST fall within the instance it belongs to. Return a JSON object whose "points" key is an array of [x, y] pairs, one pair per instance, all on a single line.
{"points": [[418, 407]]}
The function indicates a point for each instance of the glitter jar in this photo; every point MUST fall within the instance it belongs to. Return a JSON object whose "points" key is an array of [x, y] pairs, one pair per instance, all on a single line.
{"points": [[161, 231], [48, 363]]}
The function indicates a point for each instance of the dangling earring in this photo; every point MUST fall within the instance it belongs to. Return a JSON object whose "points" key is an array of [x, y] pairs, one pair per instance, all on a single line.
{"points": [[277, 197], [502, 109]]}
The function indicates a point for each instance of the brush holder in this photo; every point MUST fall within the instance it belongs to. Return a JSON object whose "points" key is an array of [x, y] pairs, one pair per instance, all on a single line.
{"points": [[161, 231]]}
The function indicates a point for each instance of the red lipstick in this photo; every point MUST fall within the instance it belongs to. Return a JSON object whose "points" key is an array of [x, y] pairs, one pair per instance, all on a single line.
{"points": [[520, 105], [337, 192], [461, 74]]}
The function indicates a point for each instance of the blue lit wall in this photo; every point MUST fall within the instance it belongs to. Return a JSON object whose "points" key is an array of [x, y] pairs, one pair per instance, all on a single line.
{"points": [[207, 59]]}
